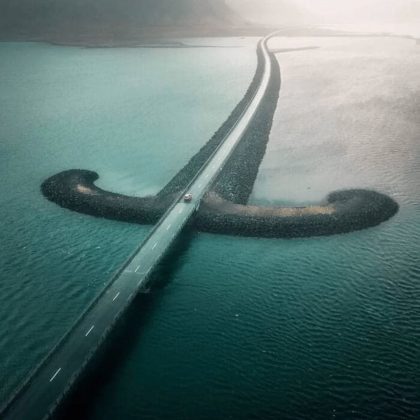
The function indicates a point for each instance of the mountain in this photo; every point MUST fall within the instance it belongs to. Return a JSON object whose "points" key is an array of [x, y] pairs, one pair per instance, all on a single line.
{"points": [[76, 19]]}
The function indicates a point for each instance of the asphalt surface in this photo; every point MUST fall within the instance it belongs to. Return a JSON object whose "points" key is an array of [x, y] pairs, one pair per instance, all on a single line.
{"points": [[51, 381]]}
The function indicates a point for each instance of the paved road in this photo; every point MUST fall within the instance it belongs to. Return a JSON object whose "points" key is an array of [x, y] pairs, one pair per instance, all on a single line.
{"points": [[55, 376]]}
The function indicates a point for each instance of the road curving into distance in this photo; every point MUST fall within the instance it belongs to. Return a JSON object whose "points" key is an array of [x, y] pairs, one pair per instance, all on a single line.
{"points": [[46, 388]]}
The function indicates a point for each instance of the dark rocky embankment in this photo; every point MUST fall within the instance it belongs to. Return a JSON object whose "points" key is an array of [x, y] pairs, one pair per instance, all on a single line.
{"points": [[344, 211], [180, 181], [75, 189], [237, 178], [224, 209]]}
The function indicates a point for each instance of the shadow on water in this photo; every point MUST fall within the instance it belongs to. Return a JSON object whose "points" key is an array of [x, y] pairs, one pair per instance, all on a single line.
{"points": [[121, 342]]}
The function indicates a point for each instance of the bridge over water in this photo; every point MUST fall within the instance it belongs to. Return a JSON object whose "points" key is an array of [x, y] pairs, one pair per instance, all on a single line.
{"points": [[51, 381]]}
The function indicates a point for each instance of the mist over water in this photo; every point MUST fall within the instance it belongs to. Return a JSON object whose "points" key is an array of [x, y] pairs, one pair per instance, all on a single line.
{"points": [[396, 16], [346, 117]]}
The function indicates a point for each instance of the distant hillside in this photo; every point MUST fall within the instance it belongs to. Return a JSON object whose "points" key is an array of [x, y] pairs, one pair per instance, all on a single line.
{"points": [[77, 19]]}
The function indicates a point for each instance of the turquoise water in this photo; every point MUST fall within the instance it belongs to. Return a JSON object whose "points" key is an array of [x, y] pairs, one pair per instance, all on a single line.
{"points": [[133, 115], [319, 328]]}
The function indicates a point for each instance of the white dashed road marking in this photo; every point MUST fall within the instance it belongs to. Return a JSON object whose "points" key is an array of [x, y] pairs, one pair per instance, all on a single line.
{"points": [[55, 374], [90, 330]]}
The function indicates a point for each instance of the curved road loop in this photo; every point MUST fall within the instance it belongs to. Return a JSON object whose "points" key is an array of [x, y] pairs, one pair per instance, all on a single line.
{"points": [[46, 387]]}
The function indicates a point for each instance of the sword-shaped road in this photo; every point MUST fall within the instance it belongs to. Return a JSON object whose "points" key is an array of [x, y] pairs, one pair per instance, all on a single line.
{"points": [[45, 388]]}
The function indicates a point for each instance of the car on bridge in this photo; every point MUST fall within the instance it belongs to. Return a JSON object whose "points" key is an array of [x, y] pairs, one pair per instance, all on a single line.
{"points": [[188, 197]]}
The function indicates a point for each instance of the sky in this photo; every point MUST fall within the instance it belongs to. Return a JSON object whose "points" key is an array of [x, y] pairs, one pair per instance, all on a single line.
{"points": [[329, 11]]}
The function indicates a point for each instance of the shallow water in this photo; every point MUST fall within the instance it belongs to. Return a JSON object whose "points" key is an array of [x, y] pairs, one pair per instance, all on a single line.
{"points": [[133, 115]]}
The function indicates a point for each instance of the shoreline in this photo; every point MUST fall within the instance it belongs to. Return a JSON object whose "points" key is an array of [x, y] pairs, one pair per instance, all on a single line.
{"points": [[169, 37]]}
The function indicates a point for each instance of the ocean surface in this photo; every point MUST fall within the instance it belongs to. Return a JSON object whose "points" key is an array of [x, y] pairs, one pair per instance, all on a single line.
{"points": [[239, 328], [136, 116]]}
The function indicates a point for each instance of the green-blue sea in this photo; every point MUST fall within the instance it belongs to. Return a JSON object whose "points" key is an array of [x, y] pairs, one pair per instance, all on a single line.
{"points": [[238, 328]]}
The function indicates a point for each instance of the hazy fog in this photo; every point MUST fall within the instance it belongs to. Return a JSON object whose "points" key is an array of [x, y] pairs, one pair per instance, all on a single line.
{"points": [[328, 11]]}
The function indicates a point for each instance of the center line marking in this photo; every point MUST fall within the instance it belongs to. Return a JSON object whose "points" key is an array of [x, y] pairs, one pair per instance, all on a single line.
{"points": [[115, 297], [180, 211], [90, 330], [169, 226], [55, 374], [154, 246], [137, 269]]}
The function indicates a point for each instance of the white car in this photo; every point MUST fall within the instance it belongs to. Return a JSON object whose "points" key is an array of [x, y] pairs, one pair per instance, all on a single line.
{"points": [[188, 197]]}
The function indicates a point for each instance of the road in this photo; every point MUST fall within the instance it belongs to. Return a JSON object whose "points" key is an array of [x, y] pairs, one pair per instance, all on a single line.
{"points": [[51, 381]]}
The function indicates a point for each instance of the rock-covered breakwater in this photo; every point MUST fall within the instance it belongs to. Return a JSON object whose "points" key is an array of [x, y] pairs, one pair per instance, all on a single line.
{"points": [[180, 181], [343, 211], [75, 189], [224, 209]]}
